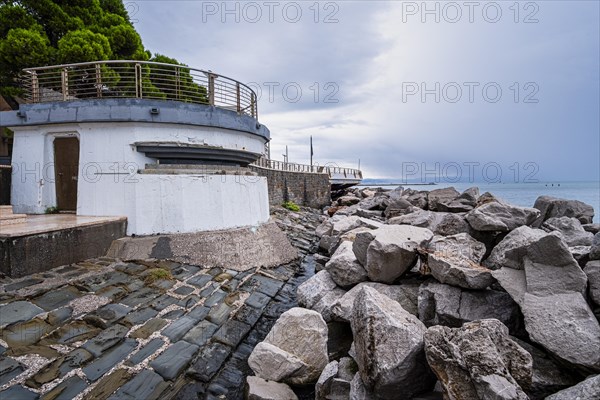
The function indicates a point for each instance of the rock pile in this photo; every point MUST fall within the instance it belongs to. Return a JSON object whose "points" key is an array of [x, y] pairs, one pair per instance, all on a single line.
{"points": [[443, 294]]}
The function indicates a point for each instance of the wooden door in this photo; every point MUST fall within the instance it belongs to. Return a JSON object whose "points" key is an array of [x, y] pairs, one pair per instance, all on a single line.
{"points": [[66, 168]]}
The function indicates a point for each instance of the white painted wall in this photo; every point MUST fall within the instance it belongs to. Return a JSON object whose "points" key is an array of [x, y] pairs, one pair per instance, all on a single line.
{"points": [[186, 203], [109, 185]]}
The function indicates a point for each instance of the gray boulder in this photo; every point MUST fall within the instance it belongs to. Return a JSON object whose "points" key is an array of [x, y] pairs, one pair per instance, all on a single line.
{"points": [[295, 349], [323, 386], [511, 251], [440, 223], [348, 223], [361, 243], [372, 203], [513, 281], [319, 293], [571, 230], [346, 236], [595, 249], [438, 199], [334, 382], [550, 291], [345, 211], [592, 270], [399, 207], [441, 304], [274, 364], [565, 326], [348, 200], [451, 224], [418, 199], [455, 260], [370, 214], [405, 294], [503, 217], [581, 254], [260, 389], [478, 361], [550, 268], [465, 202], [553, 207], [389, 347], [419, 218], [358, 390], [485, 198], [393, 251], [325, 305], [312, 290], [593, 228], [395, 194], [326, 242], [547, 377], [586, 390], [343, 267], [325, 228]]}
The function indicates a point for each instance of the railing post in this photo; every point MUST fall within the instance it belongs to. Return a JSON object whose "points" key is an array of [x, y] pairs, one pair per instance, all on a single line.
{"points": [[253, 106], [35, 88], [211, 89], [98, 81], [64, 80], [177, 84], [237, 97], [138, 81]]}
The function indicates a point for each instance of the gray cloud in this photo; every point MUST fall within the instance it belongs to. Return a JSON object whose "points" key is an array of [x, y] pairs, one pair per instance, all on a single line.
{"points": [[377, 51]]}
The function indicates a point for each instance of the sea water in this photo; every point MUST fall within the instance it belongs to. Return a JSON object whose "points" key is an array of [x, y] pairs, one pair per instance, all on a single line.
{"points": [[520, 194]]}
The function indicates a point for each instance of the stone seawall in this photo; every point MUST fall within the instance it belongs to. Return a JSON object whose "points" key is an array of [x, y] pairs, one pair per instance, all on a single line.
{"points": [[306, 189]]}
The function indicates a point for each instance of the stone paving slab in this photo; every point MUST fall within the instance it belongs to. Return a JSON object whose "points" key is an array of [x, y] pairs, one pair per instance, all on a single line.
{"points": [[109, 359], [173, 361], [18, 392], [106, 328], [18, 311], [146, 385], [150, 348], [209, 360], [67, 390]]}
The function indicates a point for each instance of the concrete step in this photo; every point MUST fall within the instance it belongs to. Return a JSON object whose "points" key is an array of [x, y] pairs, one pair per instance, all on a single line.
{"points": [[5, 210], [12, 219]]}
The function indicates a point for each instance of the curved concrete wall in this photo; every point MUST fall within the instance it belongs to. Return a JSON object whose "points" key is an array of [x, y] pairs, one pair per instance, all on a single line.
{"points": [[132, 110], [108, 182]]}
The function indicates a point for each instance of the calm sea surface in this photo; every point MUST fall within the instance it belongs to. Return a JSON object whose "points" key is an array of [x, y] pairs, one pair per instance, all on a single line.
{"points": [[521, 194]]}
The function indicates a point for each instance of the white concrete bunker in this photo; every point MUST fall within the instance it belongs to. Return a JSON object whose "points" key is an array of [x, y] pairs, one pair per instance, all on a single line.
{"points": [[168, 165]]}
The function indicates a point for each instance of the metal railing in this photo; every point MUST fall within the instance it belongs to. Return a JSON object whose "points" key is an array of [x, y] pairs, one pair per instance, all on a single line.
{"points": [[137, 79], [333, 172]]}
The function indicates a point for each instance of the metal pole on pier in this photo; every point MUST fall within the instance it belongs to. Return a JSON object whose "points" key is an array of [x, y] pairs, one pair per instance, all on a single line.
{"points": [[311, 153]]}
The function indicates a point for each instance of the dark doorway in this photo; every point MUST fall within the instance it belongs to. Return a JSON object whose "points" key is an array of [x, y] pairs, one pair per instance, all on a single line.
{"points": [[66, 167]]}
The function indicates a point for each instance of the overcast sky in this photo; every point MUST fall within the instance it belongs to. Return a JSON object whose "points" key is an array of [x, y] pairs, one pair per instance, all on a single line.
{"points": [[459, 87]]}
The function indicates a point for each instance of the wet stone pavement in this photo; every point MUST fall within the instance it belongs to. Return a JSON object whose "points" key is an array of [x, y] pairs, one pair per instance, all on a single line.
{"points": [[144, 329]]}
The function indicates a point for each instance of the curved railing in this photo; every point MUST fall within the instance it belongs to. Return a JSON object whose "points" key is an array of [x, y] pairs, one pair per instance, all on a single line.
{"points": [[332, 171], [137, 79]]}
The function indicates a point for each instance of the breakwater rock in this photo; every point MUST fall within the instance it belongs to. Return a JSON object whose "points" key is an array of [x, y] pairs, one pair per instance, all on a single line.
{"points": [[446, 295]]}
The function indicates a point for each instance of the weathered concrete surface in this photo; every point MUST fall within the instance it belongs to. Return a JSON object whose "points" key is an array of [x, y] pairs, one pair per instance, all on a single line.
{"points": [[32, 253], [239, 249]]}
